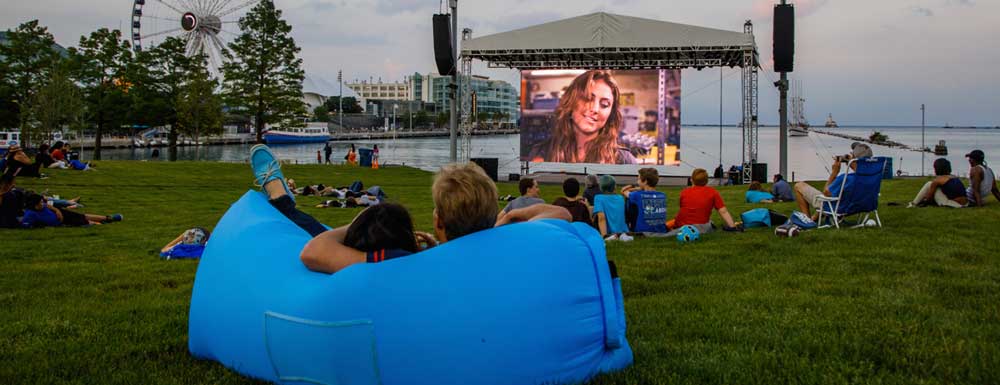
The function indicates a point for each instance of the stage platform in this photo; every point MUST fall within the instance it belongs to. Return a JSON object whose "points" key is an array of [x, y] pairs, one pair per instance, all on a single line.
{"points": [[556, 178]]}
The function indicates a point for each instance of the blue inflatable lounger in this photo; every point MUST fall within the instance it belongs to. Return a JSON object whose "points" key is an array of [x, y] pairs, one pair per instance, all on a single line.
{"points": [[529, 303]]}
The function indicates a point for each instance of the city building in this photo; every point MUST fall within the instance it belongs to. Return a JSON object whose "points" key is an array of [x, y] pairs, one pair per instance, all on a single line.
{"points": [[431, 90]]}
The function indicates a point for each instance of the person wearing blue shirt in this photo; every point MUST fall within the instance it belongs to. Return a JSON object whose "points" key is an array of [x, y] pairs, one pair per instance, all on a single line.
{"points": [[781, 190], [755, 195], [610, 209], [806, 194], [646, 208]]}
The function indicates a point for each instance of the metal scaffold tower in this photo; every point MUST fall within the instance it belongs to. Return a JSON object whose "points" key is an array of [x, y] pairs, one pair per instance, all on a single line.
{"points": [[467, 120], [749, 123]]}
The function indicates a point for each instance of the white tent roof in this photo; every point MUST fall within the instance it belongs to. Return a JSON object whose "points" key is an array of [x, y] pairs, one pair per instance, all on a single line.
{"points": [[606, 34]]}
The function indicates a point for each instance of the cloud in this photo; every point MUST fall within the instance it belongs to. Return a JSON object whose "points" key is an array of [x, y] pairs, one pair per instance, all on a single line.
{"points": [[962, 3], [921, 11], [394, 7]]}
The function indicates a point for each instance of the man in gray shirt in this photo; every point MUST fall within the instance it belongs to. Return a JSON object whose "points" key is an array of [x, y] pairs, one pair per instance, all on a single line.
{"points": [[529, 195], [781, 190]]}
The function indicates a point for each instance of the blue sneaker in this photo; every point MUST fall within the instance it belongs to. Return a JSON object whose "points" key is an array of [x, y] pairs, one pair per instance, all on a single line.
{"points": [[266, 168]]}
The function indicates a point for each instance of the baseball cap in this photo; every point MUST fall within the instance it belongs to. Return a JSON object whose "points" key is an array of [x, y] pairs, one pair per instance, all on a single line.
{"points": [[860, 150], [976, 155]]}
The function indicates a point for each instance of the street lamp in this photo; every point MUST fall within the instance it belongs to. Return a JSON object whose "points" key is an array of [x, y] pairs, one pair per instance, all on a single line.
{"points": [[394, 108]]}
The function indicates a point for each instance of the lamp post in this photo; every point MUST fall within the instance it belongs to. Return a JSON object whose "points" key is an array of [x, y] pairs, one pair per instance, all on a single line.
{"points": [[340, 107], [394, 108], [923, 147]]}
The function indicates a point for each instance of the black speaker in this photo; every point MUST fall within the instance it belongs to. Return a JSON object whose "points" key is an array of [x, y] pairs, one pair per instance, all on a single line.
{"points": [[489, 165], [784, 37], [443, 51], [760, 172]]}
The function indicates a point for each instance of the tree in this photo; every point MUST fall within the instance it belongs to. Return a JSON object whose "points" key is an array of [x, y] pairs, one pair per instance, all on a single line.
{"points": [[199, 108], [442, 119], [158, 77], [27, 60], [57, 103], [321, 114], [421, 118], [100, 64], [263, 76], [351, 105]]}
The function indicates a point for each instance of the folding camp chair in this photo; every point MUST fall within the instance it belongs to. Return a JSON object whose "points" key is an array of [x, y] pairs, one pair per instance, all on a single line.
{"points": [[858, 195]]}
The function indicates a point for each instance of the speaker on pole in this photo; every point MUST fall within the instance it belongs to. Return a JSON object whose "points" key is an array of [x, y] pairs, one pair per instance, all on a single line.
{"points": [[443, 51], [784, 37]]}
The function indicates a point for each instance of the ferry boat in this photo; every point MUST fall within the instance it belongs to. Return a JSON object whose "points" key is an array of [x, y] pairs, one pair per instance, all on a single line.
{"points": [[830, 122], [941, 149], [312, 133], [9, 138], [798, 126]]}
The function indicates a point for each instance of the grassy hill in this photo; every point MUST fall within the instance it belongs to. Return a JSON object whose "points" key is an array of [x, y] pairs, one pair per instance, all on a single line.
{"points": [[917, 301]]}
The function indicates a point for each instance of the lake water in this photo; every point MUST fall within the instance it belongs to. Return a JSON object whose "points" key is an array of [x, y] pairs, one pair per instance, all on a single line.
{"points": [[809, 157]]}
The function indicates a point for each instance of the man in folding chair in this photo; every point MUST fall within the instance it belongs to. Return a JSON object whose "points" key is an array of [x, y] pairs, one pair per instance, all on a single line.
{"points": [[806, 195]]}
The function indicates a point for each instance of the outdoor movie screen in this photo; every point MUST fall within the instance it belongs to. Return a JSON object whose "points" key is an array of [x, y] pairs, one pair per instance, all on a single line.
{"points": [[601, 116]]}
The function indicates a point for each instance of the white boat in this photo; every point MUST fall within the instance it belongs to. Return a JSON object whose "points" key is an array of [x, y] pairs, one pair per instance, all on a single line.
{"points": [[9, 138], [313, 132], [797, 124], [830, 122]]}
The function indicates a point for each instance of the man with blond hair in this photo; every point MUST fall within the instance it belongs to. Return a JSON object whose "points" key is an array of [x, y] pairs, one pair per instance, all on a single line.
{"points": [[697, 203]]}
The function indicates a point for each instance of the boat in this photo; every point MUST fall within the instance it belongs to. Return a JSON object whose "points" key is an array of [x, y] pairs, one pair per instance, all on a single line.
{"points": [[947, 125], [9, 138], [312, 133], [940, 148], [798, 125], [830, 122]]}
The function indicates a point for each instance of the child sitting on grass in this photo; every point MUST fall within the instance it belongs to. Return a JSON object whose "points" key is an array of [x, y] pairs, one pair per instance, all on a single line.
{"points": [[37, 213]]}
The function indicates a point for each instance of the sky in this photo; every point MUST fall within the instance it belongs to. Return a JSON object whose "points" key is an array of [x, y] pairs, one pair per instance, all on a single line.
{"points": [[866, 62]]}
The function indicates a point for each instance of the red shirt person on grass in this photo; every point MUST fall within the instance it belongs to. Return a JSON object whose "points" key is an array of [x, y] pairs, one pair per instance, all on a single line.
{"points": [[697, 203]]}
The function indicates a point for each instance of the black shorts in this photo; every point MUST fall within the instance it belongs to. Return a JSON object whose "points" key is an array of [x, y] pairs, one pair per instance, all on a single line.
{"points": [[72, 218]]}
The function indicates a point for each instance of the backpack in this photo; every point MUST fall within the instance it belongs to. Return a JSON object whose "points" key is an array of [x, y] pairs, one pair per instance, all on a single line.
{"points": [[357, 186], [756, 218]]}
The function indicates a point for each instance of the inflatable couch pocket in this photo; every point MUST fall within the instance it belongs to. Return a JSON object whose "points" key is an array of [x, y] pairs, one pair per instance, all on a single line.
{"points": [[528, 303]]}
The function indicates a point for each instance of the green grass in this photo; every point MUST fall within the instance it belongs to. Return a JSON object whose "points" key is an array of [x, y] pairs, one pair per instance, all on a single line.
{"points": [[915, 302]]}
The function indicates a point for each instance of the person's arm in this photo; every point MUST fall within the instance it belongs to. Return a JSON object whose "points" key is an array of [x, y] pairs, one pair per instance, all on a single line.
{"points": [[533, 213], [327, 253], [172, 243], [726, 218], [602, 224], [834, 171], [975, 179], [935, 183], [995, 191], [627, 189], [58, 213]]}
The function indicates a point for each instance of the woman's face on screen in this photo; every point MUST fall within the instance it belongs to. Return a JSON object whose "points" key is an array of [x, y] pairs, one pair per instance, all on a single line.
{"points": [[593, 108]]}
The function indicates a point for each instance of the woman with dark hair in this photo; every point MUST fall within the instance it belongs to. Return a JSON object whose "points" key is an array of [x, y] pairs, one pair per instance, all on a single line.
{"points": [[37, 213], [378, 233], [944, 190], [352, 156], [587, 123], [18, 164]]}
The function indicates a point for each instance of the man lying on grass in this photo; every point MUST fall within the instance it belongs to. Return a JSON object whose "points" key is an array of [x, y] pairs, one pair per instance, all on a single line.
{"points": [[37, 213], [465, 201]]}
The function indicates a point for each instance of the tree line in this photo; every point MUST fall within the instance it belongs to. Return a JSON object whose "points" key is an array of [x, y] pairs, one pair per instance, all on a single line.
{"points": [[104, 87]]}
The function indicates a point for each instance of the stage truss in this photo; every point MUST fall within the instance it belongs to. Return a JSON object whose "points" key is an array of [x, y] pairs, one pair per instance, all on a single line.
{"points": [[744, 56]]}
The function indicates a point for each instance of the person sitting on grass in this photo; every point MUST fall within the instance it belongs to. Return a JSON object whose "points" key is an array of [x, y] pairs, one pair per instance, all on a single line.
{"points": [[464, 200], [593, 188], [528, 187], [18, 164], [982, 181], [646, 208], [697, 203], [781, 190], [37, 213], [806, 194], [755, 194], [944, 190], [11, 203], [190, 244], [609, 211], [572, 202]]}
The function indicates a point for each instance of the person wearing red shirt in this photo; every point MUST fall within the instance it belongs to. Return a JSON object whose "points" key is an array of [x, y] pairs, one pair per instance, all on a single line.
{"points": [[697, 203]]}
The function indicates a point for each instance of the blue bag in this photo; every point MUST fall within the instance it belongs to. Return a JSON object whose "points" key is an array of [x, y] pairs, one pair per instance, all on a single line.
{"points": [[802, 220], [756, 218], [357, 186]]}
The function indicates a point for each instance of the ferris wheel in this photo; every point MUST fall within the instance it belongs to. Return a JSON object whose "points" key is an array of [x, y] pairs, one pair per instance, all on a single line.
{"points": [[206, 25]]}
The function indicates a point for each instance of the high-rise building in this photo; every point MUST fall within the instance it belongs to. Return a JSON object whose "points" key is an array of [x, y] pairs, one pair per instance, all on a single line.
{"points": [[492, 96]]}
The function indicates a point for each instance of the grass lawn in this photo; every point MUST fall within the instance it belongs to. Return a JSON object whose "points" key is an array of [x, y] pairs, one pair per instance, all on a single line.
{"points": [[917, 301]]}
